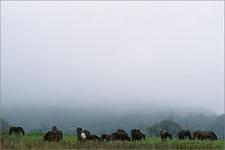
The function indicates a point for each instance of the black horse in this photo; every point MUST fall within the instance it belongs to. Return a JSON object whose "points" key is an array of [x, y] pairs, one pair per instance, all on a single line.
{"points": [[164, 135], [121, 135], [83, 134], [108, 137], [79, 131], [137, 134], [16, 130], [212, 135], [184, 134], [93, 137]]}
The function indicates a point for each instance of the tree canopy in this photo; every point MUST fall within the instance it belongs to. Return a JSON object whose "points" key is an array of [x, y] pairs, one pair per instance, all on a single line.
{"points": [[168, 125]]}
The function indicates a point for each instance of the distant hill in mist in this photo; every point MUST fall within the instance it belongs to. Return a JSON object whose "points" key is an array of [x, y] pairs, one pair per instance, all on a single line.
{"points": [[102, 121]]}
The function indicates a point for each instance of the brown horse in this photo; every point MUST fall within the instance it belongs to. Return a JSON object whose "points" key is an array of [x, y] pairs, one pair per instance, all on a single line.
{"points": [[204, 135], [54, 135], [196, 134], [120, 134], [164, 135]]}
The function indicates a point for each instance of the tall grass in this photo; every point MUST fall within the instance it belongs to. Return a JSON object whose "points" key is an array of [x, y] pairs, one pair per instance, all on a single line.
{"points": [[35, 141]]}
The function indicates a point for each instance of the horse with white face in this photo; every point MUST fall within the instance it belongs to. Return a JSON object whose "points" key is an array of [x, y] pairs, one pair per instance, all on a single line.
{"points": [[137, 134], [83, 137], [82, 134], [164, 134]]}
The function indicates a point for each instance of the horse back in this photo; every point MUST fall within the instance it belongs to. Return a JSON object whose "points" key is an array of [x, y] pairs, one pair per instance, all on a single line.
{"points": [[16, 130]]}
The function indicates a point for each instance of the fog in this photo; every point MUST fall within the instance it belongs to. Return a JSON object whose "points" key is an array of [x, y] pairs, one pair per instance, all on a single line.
{"points": [[112, 56]]}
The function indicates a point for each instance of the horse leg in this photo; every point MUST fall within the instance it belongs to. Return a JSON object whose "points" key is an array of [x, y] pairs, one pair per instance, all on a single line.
{"points": [[10, 132]]}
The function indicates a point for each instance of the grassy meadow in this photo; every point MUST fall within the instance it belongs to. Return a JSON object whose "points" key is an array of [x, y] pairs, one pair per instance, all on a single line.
{"points": [[34, 141]]}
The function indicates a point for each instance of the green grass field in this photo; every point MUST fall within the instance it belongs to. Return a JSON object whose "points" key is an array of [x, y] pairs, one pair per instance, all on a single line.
{"points": [[34, 141]]}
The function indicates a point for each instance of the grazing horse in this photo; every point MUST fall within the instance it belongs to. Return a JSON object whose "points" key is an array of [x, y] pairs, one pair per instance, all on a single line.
{"points": [[184, 134], [83, 135], [164, 135], [213, 135], [196, 134], [203, 135], [16, 130], [120, 134], [137, 134], [108, 137], [54, 135], [93, 137]]}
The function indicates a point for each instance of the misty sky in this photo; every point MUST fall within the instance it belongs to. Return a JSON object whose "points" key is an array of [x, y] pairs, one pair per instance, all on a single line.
{"points": [[110, 53]]}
